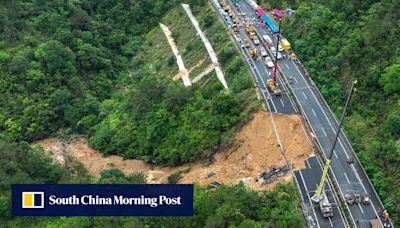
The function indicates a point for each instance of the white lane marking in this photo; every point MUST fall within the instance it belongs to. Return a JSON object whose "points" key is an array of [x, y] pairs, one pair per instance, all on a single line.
{"points": [[348, 181], [313, 112], [344, 150], [362, 211], [358, 178], [332, 128], [281, 102], [330, 221], [308, 164], [305, 95], [298, 187], [287, 66], [334, 153], [308, 196], [260, 77], [323, 131], [295, 79]]}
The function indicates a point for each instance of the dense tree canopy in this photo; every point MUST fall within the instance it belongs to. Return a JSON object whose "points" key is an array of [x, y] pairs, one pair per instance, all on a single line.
{"points": [[63, 65], [339, 41]]}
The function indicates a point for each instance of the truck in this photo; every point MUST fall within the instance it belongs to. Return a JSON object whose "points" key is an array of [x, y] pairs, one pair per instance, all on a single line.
{"points": [[249, 29], [325, 207], [274, 87], [285, 44], [253, 52], [252, 35], [267, 40], [246, 43]]}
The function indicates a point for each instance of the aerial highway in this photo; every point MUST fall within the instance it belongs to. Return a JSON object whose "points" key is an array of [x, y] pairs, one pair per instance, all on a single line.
{"points": [[307, 179], [277, 104], [350, 177]]}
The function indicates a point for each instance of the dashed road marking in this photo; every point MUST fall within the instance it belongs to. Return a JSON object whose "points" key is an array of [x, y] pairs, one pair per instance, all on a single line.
{"points": [[334, 153], [348, 181], [330, 221], [323, 131], [313, 111], [305, 95], [362, 211]]}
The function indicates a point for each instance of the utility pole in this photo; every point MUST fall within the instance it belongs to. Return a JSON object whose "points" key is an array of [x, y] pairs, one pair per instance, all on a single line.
{"points": [[277, 51], [317, 197]]}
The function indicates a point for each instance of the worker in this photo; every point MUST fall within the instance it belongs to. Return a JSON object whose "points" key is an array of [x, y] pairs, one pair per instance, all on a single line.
{"points": [[290, 79]]}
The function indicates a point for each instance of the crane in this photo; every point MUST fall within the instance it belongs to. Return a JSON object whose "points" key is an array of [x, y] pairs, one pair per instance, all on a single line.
{"points": [[319, 195], [272, 82]]}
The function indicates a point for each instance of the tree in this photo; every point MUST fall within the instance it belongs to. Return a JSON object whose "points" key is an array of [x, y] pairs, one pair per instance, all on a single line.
{"points": [[56, 59], [390, 79]]}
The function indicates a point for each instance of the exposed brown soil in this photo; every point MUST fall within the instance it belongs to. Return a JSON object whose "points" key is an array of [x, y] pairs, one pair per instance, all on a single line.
{"points": [[253, 151]]}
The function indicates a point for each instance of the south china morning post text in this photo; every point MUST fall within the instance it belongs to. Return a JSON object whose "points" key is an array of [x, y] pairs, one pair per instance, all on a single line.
{"points": [[116, 200], [102, 200]]}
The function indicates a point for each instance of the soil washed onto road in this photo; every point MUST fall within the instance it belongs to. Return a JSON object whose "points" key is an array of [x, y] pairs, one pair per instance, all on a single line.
{"points": [[254, 151]]}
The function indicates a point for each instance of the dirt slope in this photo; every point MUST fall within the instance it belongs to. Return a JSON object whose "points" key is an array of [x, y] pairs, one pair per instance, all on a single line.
{"points": [[253, 151]]}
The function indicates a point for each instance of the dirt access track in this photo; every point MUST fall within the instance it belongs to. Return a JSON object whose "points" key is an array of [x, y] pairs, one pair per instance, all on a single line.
{"points": [[254, 150]]}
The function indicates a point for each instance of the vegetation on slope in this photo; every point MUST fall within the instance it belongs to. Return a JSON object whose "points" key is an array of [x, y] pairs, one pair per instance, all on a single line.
{"points": [[340, 41], [166, 123], [80, 66], [92, 68]]}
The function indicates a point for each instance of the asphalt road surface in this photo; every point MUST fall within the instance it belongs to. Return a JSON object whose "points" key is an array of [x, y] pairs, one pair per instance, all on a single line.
{"points": [[307, 179], [351, 178], [277, 104]]}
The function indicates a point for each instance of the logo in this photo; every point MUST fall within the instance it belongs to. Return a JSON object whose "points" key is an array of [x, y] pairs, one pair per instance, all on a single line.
{"points": [[102, 200], [32, 199]]}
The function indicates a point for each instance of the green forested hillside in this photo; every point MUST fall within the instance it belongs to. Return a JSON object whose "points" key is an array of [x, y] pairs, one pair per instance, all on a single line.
{"points": [[91, 68], [340, 41]]}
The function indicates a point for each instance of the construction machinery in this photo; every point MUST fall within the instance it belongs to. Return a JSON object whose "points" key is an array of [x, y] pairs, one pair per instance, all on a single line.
{"points": [[253, 52], [246, 43], [226, 8], [252, 35], [272, 84], [249, 29], [326, 207], [319, 195], [274, 87]]}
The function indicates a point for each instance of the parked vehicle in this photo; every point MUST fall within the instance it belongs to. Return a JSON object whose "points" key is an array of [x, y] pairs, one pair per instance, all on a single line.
{"points": [[268, 40], [256, 41], [280, 48], [349, 199], [268, 62], [357, 198], [263, 53], [273, 50], [285, 44], [366, 200]]}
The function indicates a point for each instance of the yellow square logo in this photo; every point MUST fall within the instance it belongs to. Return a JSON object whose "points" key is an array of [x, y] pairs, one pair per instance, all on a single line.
{"points": [[32, 199]]}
